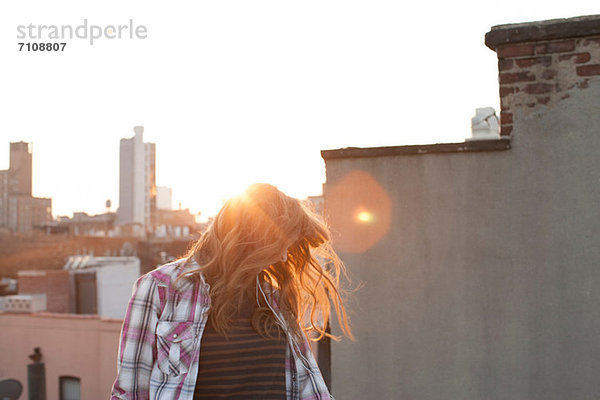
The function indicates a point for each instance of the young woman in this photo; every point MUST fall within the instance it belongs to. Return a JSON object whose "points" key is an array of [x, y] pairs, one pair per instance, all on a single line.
{"points": [[231, 318]]}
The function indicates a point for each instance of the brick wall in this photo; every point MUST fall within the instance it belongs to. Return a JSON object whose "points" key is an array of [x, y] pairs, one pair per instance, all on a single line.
{"points": [[38, 251], [543, 72], [55, 284], [540, 63]]}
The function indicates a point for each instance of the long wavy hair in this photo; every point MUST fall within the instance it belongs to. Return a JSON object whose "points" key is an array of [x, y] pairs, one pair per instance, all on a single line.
{"points": [[250, 237]]}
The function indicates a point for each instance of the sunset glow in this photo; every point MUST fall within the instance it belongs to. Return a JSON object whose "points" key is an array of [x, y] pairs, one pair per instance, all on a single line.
{"points": [[233, 98]]}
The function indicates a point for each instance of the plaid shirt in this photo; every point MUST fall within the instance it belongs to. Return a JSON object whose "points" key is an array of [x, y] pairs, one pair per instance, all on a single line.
{"points": [[159, 348]]}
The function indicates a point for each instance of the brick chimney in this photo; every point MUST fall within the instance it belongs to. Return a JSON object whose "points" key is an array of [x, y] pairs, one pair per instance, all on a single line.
{"points": [[541, 63]]}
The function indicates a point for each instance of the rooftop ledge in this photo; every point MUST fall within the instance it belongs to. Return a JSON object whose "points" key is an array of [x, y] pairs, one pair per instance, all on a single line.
{"points": [[470, 146], [45, 314], [588, 25]]}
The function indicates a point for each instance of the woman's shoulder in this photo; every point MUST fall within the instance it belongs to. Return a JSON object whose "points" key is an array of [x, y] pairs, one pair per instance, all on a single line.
{"points": [[168, 274]]}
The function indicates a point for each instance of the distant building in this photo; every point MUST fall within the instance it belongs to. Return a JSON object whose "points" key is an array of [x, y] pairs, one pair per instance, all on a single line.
{"points": [[164, 198], [83, 224], [43, 316], [102, 285], [137, 185], [55, 285], [86, 285], [20, 168], [19, 210], [175, 223], [79, 352]]}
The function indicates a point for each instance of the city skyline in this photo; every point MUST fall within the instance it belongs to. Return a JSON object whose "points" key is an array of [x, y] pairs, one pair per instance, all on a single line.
{"points": [[239, 93]]}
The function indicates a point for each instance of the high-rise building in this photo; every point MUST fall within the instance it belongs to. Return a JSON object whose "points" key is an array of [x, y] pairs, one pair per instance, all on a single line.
{"points": [[20, 168], [137, 184], [19, 210], [164, 198]]}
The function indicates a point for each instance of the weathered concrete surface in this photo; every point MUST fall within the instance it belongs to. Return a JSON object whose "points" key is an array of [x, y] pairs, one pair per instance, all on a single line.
{"points": [[486, 285]]}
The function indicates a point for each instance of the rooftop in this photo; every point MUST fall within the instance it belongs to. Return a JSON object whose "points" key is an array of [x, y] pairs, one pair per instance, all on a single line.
{"points": [[88, 261], [552, 29], [470, 146]]}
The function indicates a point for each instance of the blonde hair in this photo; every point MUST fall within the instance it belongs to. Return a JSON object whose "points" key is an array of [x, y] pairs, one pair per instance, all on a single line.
{"points": [[246, 240]]}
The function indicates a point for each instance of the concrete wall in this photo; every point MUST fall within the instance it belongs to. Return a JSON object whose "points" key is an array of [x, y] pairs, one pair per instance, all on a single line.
{"points": [[480, 269], [71, 345]]}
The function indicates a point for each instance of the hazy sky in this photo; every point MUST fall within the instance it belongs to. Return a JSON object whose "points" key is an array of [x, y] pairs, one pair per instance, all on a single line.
{"points": [[235, 92]]}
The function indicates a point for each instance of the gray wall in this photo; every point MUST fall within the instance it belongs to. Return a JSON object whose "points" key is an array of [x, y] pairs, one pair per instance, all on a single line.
{"points": [[486, 285]]}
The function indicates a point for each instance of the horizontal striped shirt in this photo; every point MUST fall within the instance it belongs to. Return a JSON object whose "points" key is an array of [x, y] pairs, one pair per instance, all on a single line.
{"points": [[241, 365]]}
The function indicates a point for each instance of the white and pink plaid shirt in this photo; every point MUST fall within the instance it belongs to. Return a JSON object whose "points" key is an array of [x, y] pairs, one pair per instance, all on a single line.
{"points": [[159, 347]]}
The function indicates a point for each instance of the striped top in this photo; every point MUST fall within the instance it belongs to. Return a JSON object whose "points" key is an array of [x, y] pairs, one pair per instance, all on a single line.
{"points": [[242, 366]]}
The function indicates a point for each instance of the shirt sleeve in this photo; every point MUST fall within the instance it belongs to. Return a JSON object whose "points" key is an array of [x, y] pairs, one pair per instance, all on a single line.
{"points": [[311, 384], [136, 354]]}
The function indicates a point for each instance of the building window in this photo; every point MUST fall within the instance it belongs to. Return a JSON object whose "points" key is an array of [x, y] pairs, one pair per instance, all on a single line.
{"points": [[70, 388]]}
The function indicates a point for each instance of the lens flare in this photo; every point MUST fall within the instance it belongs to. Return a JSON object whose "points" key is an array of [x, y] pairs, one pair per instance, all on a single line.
{"points": [[360, 211], [364, 217]]}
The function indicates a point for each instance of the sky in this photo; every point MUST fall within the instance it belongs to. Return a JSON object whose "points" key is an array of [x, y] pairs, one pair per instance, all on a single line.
{"points": [[237, 92]]}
